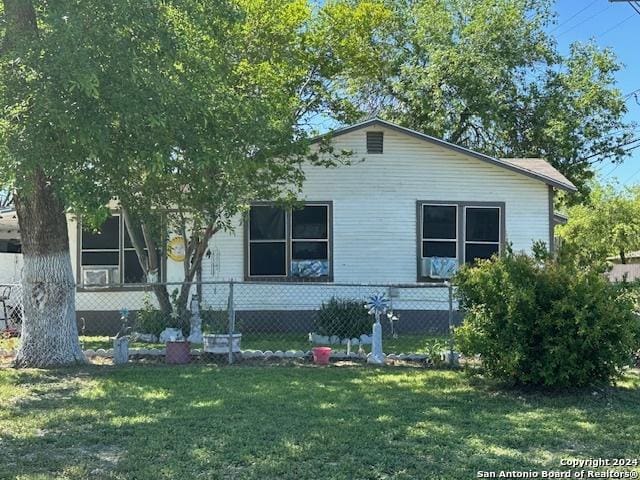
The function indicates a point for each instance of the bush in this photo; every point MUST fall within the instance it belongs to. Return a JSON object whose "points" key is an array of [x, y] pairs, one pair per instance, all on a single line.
{"points": [[343, 318], [150, 320], [543, 321]]}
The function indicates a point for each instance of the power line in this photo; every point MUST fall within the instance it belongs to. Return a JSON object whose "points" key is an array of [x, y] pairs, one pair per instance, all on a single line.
{"points": [[630, 94], [584, 21], [635, 6], [615, 26], [572, 17]]}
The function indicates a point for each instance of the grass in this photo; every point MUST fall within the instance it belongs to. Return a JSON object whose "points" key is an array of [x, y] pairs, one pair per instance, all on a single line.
{"points": [[298, 422], [276, 341]]}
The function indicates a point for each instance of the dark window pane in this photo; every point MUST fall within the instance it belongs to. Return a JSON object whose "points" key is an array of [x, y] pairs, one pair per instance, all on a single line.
{"points": [[132, 270], [473, 251], [10, 246], [309, 251], [127, 240], [483, 224], [439, 221], [266, 223], [100, 258], [267, 259], [439, 249], [310, 222], [108, 238]]}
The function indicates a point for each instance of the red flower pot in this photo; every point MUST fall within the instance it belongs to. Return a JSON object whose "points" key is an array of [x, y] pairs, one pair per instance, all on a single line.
{"points": [[178, 352], [321, 355]]}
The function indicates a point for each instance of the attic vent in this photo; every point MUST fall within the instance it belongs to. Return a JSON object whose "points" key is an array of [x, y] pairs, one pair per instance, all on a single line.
{"points": [[374, 142]]}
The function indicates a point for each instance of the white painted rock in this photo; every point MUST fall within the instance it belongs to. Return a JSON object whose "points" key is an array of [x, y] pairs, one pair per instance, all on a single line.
{"points": [[267, 354], [366, 339], [101, 352], [144, 337], [171, 335], [90, 353], [318, 339]]}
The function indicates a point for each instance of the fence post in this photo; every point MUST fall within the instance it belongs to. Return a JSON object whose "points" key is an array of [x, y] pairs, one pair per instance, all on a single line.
{"points": [[451, 360], [231, 324]]}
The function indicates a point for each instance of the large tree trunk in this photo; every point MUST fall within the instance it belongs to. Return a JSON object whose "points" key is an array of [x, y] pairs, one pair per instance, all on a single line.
{"points": [[49, 330]]}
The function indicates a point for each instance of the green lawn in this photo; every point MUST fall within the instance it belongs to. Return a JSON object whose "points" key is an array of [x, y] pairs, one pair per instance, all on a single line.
{"points": [[298, 422]]}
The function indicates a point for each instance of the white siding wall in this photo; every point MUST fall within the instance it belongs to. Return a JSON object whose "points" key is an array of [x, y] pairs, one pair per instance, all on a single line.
{"points": [[374, 206], [374, 222]]}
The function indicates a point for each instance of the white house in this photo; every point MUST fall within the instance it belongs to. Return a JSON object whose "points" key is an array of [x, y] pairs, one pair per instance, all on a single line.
{"points": [[405, 211]]}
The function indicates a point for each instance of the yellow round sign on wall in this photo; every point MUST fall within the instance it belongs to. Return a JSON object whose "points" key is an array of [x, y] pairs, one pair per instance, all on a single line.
{"points": [[176, 249]]}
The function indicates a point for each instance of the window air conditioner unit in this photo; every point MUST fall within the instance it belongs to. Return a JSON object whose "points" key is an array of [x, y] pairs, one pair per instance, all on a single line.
{"points": [[439, 267], [96, 277]]}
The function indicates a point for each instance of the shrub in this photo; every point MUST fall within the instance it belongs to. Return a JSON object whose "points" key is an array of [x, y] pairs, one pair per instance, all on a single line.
{"points": [[343, 318], [543, 321], [150, 320]]}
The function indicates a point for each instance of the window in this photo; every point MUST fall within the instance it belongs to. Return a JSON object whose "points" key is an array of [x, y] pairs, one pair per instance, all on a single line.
{"points": [[289, 243], [444, 241], [375, 142], [107, 257], [482, 232], [100, 257], [267, 242]]}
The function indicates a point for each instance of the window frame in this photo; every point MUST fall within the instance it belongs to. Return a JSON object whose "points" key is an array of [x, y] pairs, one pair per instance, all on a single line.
{"points": [[478, 242], [444, 240], [289, 245], [120, 286], [461, 240]]}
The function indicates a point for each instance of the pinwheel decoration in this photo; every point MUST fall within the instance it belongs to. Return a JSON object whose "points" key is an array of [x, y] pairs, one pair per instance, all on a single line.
{"points": [[377, 304]]}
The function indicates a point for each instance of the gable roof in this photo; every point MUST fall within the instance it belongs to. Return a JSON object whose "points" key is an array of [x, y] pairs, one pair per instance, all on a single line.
{"points": [[536, 168]]}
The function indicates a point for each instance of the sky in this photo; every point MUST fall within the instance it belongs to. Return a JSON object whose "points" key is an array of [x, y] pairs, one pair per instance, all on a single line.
{"points": [[615, 25]]}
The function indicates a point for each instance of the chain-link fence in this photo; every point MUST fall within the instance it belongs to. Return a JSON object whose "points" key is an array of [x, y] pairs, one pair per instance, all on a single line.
{"points": [[243, 318], [10, 309]]}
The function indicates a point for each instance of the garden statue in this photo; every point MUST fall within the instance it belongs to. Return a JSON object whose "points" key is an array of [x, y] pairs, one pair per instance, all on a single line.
{"points": [[377, 305], [195, 332], [121, 340]]}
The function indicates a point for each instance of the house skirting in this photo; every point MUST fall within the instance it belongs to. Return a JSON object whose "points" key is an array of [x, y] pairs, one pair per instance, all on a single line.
{"points": [[104, 322]]}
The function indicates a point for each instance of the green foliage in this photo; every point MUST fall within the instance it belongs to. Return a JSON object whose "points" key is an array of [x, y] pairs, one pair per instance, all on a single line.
{"points": [[486, 74], [343, 318], [545, 322], [214, 321], [607, 224], [149, 319]]}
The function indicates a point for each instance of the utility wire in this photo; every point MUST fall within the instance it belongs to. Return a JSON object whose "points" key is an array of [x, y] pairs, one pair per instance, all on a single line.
{"points": [[572, 17], [616, 26], [584, 21], [635, 6]]}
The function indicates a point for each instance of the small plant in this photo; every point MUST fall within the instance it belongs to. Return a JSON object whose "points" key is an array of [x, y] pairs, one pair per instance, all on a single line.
{"points": [[343, 318], [214, 321], [149, 319], [433, 349]]}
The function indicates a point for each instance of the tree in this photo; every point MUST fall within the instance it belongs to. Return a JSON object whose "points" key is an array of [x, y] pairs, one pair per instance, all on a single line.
{"points": [[101, 97], [607, 224], [214, 168], [485, 74]]}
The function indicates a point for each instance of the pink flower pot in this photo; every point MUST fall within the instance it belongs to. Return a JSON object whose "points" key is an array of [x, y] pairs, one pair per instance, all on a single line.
{"points": [[178, 352], [321, 355]]}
